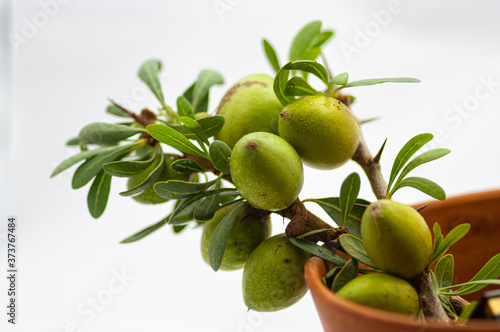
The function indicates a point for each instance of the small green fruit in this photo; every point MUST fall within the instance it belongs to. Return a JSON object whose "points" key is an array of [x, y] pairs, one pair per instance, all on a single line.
{"points": [[396, 238], [323, 131], [201, 115], [245, 235], [273, 278], [267, 171], [382, 291], [249, 106], [149, 196]]}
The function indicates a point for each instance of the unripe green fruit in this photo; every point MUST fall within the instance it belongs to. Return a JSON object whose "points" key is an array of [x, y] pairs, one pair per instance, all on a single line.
{"points": [[244, 237], [323, 131], [396, 238], [201, 115], [382, 291], [267, 171], [249, 106], [273, 278], [149, 196]]}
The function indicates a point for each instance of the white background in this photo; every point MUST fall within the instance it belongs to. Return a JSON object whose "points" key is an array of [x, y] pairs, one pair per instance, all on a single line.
{"points": [[59, 77]]}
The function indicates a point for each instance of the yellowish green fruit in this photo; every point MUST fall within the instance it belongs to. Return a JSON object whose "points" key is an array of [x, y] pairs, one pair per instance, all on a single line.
{"points": [[267, 171], [201, 115], [149, 196], [245, 235], [396, 238], [249, 106], [323, 130], [273, 278], [382, 291]]}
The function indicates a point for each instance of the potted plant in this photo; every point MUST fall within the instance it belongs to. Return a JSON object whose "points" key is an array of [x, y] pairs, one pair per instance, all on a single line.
{"points": [[235, 168]]}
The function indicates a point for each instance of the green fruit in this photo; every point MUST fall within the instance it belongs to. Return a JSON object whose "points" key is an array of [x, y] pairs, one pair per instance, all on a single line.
{"points": [[149, 196], [323, 131], [273, 278], [382, 291], [245, 235], [201, 115], [267, 171], [249, 106], [396, 238]]}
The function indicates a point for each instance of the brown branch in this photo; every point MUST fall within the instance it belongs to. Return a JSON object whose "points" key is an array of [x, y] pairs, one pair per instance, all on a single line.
{"points": [[429, 302], [458, 303]]}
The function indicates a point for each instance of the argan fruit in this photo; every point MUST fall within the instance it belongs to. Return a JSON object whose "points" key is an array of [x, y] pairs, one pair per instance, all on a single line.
{"points": [[273, 278], [246, 234], [382, 291], [149, 196], [322, 129], [267, 171], [249, 106], [396, 238]]}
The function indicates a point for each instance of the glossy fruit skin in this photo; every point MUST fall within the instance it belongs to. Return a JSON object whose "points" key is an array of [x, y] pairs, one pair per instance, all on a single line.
{"points": [[149, 196], [396, 238], [267, 171], [273, 278], [382, 291], [243, 238], [322, 129], [249, 106]]}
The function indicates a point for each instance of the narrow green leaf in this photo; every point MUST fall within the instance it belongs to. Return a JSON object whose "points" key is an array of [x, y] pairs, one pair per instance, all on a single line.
{"points": [[117, 111], [220, 153], [347, 273], [448, 307], [184, 107], [453, 237], [146, 231], [444, 271], [424, 185], [105, 133], [309, 66], [271, 55], [355, 248], [319, 251], [348, 195], [434, 283], [127, 168], [206, 79], [73, 142], [438, 238], [297, 86], [303, 39], [97, 197], [175, 189], [321, 38], [81, 156], [374, 81], [149, 74], [467, 311], [202, 106], [311, 54], [86, 171], [212, 124], [178, 228], [470, 287], [280, 81], [185, 215], [171, 137], [340, 79], [186, 166], [217, 244], [422, 159], [196, 128], [207, 207], [151, 174]]}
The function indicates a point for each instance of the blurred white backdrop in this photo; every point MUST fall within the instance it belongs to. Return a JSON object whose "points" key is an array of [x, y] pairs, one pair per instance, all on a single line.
{"points": [[62, 59]]}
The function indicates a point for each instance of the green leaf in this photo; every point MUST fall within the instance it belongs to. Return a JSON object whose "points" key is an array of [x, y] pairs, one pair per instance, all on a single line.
{"points": [[470, 287], [149, 74], [186, 166], [304, 39], [438, 238], [127, 168], [453, 236], [406, 152], [184, 107], [311, 54], [374, 81], [153, 173], [348, 195], [175, 189], [211, 125], [444, 271], [280, 81], [448, 307], [73, 142], [97, 197], [434, 283], [319, 251], [117, 111], [146, 231], [217, 244], [271, 55], [171, 137], [297, 86], [321, 38], [202, 106], [207, 207], [220, 153], [196, 128], [340, 79], [331, 205], [422, 159], [424, 185], [309, 66], [178, 228], [206, 79], [467, 311], [105, 133], [347, 273], [86, 171], [355, 248], [81, 156]]}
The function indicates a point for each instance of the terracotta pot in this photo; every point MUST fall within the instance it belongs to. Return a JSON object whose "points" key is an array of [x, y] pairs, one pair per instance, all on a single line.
{"points": [[481, 210]]}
